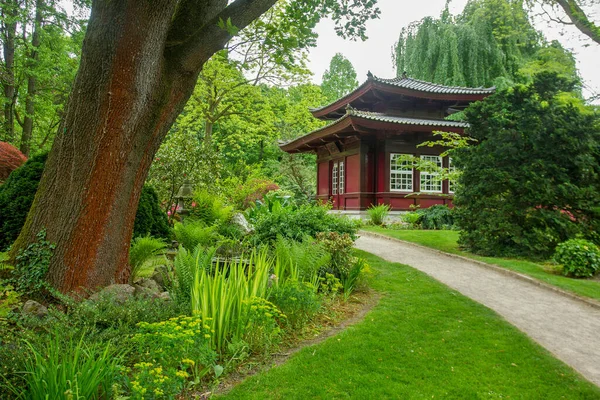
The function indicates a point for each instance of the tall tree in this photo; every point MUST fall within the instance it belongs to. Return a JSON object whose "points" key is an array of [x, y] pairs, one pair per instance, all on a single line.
{"points": [[580, 13], [139, 65], [339, 79], [490, 39]]}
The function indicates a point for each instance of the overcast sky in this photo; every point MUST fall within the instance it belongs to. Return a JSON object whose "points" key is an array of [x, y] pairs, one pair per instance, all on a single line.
{"points": [[375, 53]]}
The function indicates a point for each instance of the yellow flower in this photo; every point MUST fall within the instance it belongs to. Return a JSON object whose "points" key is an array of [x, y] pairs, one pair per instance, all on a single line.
{"points": [[158, 392], [188, 361], [207, 336], [182, 374]]}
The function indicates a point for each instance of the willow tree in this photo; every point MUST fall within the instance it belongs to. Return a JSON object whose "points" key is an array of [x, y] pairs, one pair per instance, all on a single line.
{"points": [[139, 64], [488, 40]]}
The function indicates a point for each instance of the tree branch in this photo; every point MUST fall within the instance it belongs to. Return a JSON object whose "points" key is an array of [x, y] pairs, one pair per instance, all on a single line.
{"points": [[580, 19], [199, 46]]}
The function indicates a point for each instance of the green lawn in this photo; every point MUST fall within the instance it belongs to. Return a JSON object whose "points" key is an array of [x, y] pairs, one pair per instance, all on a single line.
{"points": [[422, 340], [446, 241]]}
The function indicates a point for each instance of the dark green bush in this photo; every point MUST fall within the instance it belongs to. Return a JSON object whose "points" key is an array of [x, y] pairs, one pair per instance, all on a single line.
{"points": [[579, 258], [295, 223], [16, 197], [150, 219], [17, 193], [436, 217], [532, 180]]}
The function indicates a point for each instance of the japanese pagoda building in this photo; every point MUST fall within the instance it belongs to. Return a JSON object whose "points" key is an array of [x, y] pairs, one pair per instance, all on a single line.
{"points": [[359, 154]]}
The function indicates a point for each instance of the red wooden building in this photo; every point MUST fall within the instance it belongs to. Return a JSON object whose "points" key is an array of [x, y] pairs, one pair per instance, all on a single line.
{"points": [[359, 153]]}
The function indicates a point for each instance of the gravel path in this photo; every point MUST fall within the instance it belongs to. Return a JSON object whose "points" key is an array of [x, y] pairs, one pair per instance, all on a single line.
{"points": [[566, 327]]}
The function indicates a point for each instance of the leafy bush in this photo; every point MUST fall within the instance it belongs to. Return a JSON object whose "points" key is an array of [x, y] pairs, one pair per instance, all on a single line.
{"points": [[242, 196], [16, 197], [378, 213], [350, 280], [150, 219], [533, 178], [144, 250], [18, 192], [436, 217], [297, 222], [300, 261], [73, 369], [262, 330], [579, 258], [187, 264], [168, 343], [341, 248], [297, 300], [411, 218]]}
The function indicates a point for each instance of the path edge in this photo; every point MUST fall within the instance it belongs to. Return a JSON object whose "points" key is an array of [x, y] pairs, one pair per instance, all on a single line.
{"points": [[504, 271]]}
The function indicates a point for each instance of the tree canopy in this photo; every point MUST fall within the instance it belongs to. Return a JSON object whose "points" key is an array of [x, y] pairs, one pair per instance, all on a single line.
{"points": [[339, 79]]}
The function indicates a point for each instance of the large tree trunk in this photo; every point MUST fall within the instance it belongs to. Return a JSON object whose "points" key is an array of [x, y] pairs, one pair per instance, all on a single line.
{"points": [[8, 80], [27, 133], [135, 76]]}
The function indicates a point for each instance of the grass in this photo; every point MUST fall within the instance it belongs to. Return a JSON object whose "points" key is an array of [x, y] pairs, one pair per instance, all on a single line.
{"points": [[447, 241], [421, 341]]}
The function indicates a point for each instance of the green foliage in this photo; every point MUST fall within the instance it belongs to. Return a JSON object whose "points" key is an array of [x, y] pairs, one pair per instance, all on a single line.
{"points": [[350, 280], [340, 246], [209, 209], [32, 265], [262, 330], [73, 369], [221, 296], [339, 79], [301, 261], [168, 343], [491, 39], [436, 217], [532, 180], [297, 300], [150, 219], [411, 218], [191, 233], [295, 223], [246, 194], [16, 197], [187, 264], [579, 258], [143, 251], [9, 300], [378, 213]]}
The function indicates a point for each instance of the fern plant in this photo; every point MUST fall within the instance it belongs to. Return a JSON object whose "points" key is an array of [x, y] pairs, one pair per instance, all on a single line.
{"points": [[145, 251], [377, 214]]}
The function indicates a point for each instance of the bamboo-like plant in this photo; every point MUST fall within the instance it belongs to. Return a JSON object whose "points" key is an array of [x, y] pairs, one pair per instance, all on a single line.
{"points": [[221, 297]]}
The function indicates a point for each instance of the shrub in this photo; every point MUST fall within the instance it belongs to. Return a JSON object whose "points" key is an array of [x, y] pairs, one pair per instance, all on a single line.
{"points": [[144, 250], [245, 195], [579, 258], [436, 217], [150, 219], [262, 330], [297, 300], [10, 159], [341, 248], [300, 260], [411, 218], [377, 214], [18, 192], [32, 265], [16, 197], [350, 279], [532, 180], [297, 222]]}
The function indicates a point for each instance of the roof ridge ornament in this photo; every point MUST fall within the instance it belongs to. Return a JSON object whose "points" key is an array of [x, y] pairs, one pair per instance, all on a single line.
{"points": [[349, 109], [404, 75], [369, 74]]}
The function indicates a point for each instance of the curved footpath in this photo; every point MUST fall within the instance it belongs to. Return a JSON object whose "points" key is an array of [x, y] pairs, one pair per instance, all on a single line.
{"points": [[568, 328]]}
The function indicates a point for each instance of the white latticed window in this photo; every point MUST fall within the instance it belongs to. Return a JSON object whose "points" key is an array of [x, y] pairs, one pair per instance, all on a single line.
{"points": [[334, 179], [342, 177], [430, 181], [401, 174], [451, 183]]}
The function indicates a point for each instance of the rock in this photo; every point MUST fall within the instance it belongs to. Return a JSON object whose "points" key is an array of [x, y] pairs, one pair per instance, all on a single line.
{"points": [[239, 220], [146, 287], [119, 292], [34, 308], [161, 276], [166, 296]]}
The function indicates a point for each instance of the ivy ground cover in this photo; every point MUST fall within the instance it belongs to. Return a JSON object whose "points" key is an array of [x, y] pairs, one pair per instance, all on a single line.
{"points": [[446, 240], [422, 340]]}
